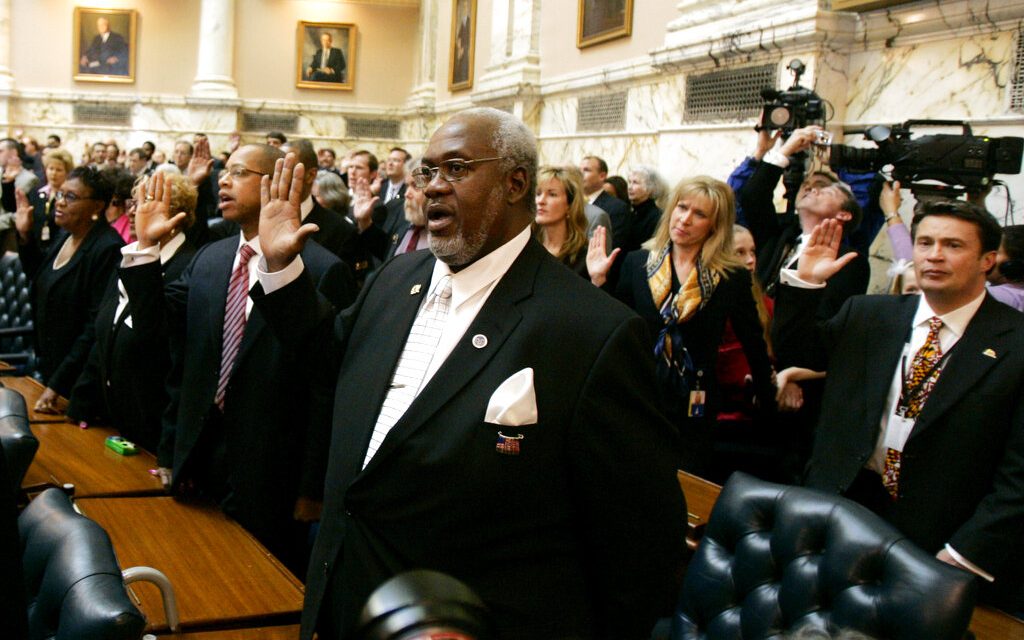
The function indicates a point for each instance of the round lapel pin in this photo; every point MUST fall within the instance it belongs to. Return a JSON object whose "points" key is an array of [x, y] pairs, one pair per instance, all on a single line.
{"points": [[479, 341]]}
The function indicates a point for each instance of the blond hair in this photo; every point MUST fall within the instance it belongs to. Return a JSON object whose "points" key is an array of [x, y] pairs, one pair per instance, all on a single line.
{"points": [[184, 195], [717, 253], [575, 219], [59, 155]]}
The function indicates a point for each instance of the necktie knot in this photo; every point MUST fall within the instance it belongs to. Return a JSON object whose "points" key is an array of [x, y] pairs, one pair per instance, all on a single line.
{"points": [[443, 289], [245, 254], [934, 324]]}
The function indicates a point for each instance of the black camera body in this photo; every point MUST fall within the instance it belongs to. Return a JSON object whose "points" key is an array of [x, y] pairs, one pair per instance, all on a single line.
{"points": [[793, 108], [965, 162]]}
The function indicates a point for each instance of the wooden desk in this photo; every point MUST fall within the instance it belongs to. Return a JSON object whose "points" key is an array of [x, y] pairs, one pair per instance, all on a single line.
{"points": [[700, 495], [221, 575], [68, 454], [992, 624], [288, 632], [6, 367], [31, 390]]}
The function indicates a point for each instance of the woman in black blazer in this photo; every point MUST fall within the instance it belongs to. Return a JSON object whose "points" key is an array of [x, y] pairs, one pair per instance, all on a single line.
{"points": [[686, 282], [645, 189], [561, 224], [123, 382], [68, 281], [58, 164]]}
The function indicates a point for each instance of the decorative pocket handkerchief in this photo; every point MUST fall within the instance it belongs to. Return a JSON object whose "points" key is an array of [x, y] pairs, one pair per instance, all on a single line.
{"points": [[513, 403]]}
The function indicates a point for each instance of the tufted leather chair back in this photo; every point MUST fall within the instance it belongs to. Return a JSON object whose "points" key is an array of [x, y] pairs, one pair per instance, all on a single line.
{"points": [[776, 558], [72, 580], [15, 311], [19, 444]]}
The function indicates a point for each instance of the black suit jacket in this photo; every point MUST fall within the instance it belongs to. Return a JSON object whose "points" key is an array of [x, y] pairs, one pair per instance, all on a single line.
{"points": [[100, 51], [339, 235], [618, 211], [962, 471], [65, 303], [270, 443], [775, 236], [42, 216], [335, 61], [123, 383], [579, 535], [382, 239]]}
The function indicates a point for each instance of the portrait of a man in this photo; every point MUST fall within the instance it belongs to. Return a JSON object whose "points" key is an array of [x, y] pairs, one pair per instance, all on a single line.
{"points": [[325, 55], [463, 44], [105, 40], [603, 20]]}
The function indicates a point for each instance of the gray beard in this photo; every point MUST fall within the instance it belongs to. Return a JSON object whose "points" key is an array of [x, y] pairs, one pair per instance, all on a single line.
{"points": [[460, 250]]}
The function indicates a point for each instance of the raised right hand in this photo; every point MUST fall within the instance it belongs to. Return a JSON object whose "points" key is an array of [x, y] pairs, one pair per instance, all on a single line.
{"points": [[800, 140], [153, 220], [363, 203], [23, 215], [599, 262], [819, 260], [282, 234]]}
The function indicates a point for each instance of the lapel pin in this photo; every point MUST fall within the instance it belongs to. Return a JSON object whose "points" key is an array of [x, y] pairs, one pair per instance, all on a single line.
{"points": [[990, 353], [415, 289], [508, 445], [479, 341]]}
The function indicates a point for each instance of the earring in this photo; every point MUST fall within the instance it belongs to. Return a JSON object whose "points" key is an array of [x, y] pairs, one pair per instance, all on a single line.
{"points": [[95, 217]]}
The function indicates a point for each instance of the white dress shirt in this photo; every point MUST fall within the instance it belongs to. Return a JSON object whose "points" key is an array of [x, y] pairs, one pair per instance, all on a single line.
{"points": [[166, 253]]}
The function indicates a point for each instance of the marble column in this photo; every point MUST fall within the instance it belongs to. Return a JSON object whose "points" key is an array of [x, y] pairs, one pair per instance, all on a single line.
{"points": [[6, 77], [423, 93], [216, 50]]}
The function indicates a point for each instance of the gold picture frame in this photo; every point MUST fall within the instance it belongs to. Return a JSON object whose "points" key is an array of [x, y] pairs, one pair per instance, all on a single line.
{"points": [[104, 45], [603, 20], [332, 68], [463, 45]]}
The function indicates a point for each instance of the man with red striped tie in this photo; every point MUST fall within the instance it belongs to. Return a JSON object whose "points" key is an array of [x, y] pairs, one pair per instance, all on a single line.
{"points": [[247, 424]]}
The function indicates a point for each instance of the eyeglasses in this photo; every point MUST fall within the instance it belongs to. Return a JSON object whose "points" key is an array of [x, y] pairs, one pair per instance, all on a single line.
{"points": [[451, 171], [70, 198], [238, 172]]}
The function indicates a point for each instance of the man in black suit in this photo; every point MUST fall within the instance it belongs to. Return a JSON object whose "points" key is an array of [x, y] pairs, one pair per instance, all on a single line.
{"points": [[595, 171], [107, 53], [328, 63], [336, 232], [923, 413], [534, 465], [392, 186], [247, 429]]}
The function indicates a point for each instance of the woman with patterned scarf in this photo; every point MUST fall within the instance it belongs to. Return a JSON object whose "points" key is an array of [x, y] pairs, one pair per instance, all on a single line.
{"points": [[686, 282]]}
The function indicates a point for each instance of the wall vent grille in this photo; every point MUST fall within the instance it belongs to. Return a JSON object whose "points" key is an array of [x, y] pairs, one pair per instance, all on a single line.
{"points": [[729, 94], [263, 122], [604, 112], [103, 114], [380, 128]]}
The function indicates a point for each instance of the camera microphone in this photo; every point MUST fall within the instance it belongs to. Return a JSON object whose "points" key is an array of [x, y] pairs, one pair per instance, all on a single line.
{"points": [[424, 605]]}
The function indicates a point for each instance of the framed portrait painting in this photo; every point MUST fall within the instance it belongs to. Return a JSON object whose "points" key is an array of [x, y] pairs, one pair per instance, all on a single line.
{"points": [[104, 47], [463, 47], [325, 56], [603, 20]]}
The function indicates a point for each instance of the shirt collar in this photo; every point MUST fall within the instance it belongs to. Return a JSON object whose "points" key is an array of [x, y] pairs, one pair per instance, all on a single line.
{"points": [[168, 250], [306, 207], [956, 320], [254, 243], [478, 276]]}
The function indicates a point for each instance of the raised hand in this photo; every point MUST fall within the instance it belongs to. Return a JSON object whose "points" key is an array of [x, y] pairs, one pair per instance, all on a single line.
{"points": [[819, 260], [153, 220], [765, 141], [599, 262], [282, 234], [201, 164], [889, 199], [22, 215], [363, 203], [800, 140]]}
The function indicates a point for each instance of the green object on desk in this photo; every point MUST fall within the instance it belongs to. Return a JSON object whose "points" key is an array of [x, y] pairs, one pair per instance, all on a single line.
{"points": [[122, 446]]}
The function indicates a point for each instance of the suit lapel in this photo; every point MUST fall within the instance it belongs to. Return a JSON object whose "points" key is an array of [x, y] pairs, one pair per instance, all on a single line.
{"points": [[883, 357], [967, 363], [217, 287], [496, 320]]}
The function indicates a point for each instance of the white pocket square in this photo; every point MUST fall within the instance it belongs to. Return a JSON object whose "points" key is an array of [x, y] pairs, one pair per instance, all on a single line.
{"points": [[513, 403]]}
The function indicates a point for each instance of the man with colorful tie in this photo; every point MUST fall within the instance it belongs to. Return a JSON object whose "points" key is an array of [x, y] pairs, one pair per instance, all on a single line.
{"points": [[495, 416], [246, 426], [923, 413]]}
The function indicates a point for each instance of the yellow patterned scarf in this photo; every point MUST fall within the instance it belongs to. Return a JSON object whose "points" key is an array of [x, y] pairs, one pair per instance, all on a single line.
{"points": [[677, 308]]}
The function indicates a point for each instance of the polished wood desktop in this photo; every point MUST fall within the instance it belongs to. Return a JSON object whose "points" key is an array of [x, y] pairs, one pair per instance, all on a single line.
{"points": [[31, 389], [287, 632], [69, 454], [221, 575]]}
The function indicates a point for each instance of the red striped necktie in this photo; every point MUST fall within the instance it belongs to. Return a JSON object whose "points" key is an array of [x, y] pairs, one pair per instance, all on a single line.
{"points": [[234, 320]]}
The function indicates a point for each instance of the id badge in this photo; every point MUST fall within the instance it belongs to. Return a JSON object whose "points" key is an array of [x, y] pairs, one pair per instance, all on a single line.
{"points": [[697, 397]]}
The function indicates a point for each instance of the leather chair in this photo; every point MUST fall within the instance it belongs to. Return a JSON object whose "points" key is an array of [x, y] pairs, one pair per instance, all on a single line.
{"points": [[777, 558], [72, 579], [19, 444], [16, 347]]}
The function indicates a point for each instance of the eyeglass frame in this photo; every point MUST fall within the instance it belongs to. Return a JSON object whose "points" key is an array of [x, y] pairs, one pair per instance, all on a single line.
{"points": [[60, 194], [421, 181], [245, 171]]}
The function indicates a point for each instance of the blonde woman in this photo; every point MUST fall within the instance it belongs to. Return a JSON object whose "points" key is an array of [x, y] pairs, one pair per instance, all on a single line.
{"points": [[561, 225], [686, 282]]}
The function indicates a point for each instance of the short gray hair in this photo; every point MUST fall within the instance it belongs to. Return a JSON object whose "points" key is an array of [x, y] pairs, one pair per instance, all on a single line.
{"points": [[650, 176], [514, 142], [331, 191]]}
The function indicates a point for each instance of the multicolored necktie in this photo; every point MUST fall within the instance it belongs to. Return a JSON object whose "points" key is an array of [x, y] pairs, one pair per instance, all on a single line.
{"points": [[924, 372], [234, 320]]}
